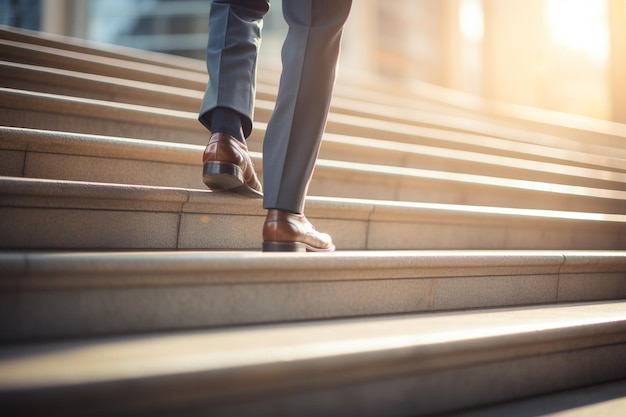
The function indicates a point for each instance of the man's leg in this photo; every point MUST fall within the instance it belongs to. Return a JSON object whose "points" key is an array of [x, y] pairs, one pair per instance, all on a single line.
{"points": [[231, 58], [228, 104], [294, 132]]}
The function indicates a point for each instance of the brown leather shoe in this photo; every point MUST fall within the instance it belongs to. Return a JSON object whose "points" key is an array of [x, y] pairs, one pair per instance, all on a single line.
{"points": [[288, 232], [227, 166]]}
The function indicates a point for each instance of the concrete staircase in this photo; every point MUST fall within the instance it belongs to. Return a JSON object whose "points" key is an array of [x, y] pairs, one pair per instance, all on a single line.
{"points": [[482, 250]]}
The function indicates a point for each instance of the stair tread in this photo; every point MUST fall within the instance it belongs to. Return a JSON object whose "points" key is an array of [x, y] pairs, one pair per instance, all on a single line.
{"points": [[394, 264], [270, 359], [333, 177]]}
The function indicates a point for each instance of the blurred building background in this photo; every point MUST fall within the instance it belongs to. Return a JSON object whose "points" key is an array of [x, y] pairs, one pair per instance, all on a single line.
{"points": [[565, 55]]}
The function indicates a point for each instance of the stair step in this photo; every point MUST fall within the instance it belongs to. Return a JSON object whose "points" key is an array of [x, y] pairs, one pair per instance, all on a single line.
{"points": [[349, 117], [77, 84], [113, 67], [96, 49], [411, 155], [81, 157], [80, 115], [403, 365], [59, 294], [419, 96], [533, 121], [58, 155], [525, 117], [57, 81], [469, 124], [68, 214], [62, 113], [38, 143]]}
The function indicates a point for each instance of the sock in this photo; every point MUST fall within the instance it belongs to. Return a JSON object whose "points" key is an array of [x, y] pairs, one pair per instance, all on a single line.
{"points": [[225, 120]]}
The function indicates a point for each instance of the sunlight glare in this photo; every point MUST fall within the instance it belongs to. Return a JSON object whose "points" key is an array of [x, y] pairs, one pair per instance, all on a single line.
{"points": [[580, 25], [471, 20]]}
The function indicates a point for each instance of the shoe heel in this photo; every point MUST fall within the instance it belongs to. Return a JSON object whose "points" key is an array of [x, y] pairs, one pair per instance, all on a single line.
{"points": [[283, 247], [227, 177], [221, 176]]}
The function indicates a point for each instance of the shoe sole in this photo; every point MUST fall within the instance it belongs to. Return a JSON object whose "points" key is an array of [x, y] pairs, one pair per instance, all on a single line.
{"points": [[219, 176], [273, 246]]}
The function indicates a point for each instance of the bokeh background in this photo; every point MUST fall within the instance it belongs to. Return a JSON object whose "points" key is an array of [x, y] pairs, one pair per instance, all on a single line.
{"points": [[563, 55]]}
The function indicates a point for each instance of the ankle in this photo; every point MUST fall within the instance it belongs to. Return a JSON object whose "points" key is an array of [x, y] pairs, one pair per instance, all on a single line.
{"points": [[225, 120]]}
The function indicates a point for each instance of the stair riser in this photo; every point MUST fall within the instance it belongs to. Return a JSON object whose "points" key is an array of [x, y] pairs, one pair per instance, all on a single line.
{"points": [[49, 154], [52, 295], [327, 181], [104, 169], [40, 223], [74, 311]]}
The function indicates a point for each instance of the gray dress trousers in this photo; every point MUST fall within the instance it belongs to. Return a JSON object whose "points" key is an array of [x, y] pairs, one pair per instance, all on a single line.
{"points": [[309, 58]]}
